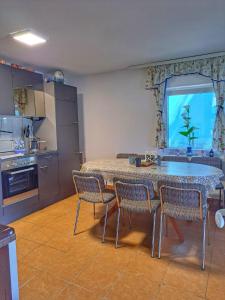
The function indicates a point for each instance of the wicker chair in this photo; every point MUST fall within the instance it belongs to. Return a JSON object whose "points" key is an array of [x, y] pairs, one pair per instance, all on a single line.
{"points": [[183, 201], [136, 195], [217, 163], [90, 187]]}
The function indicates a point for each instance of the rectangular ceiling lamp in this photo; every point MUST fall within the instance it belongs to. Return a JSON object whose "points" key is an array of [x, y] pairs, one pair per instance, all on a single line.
{"points": [[28, 37]]}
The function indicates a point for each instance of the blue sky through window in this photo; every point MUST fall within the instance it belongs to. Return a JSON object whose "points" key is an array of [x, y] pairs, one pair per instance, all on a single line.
{"points": [[202, 112]]}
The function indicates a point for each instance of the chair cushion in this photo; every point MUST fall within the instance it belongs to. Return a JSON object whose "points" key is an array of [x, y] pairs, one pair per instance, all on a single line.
{"points": [[183, 212], [139, 206], [96, 197]]}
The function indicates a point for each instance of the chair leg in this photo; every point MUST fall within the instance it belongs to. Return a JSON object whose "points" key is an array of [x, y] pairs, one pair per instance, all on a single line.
{"points": [[208, 227], [94, 209], [129, 217], [223, 199], [77, 215], [105, 222], [117, 226], [203, 243], [153, 234], [160, 234], [166, 226]]}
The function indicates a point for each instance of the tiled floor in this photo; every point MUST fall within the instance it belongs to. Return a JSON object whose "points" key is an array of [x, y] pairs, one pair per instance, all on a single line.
{"points": [[53, 264]]}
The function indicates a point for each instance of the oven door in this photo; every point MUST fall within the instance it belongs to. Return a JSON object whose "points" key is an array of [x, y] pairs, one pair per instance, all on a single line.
{"points": [[19, 180]]}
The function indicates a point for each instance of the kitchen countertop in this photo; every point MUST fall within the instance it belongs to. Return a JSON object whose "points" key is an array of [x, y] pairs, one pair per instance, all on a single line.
{"points": [[9, 155]]}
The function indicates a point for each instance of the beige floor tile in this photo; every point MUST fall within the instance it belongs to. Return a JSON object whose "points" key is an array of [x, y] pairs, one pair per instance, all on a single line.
{"points": [[42, 286], [216, 285], [187, 278], [25, 273], [133, 286], [40, 235], [24, 247], [42, 257], [74, 292], [172, 293]]}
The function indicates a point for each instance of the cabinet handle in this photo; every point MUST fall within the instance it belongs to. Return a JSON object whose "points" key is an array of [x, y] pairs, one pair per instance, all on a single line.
{"points": [[43, 167], [48, 157]]}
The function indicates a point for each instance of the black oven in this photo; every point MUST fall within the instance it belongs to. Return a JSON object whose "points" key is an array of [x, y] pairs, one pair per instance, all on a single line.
{"points": [[19, 180]]}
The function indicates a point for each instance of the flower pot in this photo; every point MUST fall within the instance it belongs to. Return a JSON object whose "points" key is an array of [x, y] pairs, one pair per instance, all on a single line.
{"points": [[189, 151]]}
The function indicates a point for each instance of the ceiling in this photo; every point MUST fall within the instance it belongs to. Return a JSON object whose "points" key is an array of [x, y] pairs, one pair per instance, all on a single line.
{"points": [[93, 36]]}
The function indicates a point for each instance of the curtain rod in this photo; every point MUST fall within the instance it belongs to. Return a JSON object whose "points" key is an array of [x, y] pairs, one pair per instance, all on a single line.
{"points": [[176, 60]]}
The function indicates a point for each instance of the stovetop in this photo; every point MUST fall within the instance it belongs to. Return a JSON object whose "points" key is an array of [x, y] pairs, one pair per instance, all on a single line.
{"points": [[8, 155], [11, 160]]}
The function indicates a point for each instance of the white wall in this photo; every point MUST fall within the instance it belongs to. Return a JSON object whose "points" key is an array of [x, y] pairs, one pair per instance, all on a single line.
{"points": [[119, 115]]}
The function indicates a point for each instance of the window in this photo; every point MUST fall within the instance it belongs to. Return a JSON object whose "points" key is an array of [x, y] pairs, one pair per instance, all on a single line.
{"points": [[202, 103]]}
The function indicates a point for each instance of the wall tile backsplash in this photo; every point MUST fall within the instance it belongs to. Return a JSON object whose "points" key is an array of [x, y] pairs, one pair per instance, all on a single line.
{"points": [[13, 127]]}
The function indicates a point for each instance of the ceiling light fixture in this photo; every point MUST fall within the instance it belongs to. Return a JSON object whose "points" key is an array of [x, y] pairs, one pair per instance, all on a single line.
{"points": [[28, 37]]}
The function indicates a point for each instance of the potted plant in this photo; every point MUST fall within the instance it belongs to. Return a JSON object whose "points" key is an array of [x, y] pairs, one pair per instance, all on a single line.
{"points": [[189, 133]]}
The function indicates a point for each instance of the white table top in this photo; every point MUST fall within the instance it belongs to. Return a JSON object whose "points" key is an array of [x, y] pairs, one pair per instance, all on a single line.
{"points": [[170, 171]]}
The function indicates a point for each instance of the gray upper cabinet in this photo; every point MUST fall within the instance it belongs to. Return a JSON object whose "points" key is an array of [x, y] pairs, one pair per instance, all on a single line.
{"points": [[6, 92], [24, 78], [28, 93], [65, 92]]}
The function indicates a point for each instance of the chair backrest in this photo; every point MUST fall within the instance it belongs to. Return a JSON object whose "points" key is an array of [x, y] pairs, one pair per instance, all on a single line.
{"points": [[210, 161], [88, 182], [133, 189], [191, 195]]}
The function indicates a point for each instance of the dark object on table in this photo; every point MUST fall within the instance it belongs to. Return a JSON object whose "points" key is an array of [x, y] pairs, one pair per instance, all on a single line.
{"points": [[211, 153], [189, 151], [138, 161]]}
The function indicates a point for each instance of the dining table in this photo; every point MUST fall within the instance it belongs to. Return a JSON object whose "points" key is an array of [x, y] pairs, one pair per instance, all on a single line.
{"points": [[167, 170]]}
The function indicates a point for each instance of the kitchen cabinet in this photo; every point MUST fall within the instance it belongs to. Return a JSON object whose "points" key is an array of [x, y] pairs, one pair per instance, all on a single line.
{"points": [[67, 130], [28, 93], [66, 165], [48, 180], [6, 92]]}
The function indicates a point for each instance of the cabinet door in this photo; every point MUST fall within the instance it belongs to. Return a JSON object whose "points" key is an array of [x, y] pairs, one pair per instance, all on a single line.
{"points": [[23, 79], [28, 89], [65, 92], [6, 91], [66, 112], [66, 165], [68, 139], [48, 180]]}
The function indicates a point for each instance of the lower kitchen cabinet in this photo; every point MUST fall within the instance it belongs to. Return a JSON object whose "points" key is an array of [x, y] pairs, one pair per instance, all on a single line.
{"points": [[19, 209], [66, 165], [48, 179]]}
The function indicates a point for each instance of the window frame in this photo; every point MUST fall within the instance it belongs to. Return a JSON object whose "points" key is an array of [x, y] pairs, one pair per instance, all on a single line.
{"points": [[182, 90]]}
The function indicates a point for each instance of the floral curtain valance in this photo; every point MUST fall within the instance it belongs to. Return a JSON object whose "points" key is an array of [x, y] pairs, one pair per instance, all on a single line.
{"points": [[214, 68]]}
